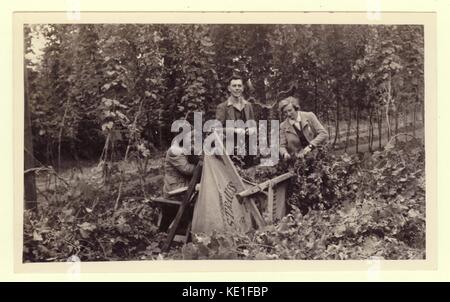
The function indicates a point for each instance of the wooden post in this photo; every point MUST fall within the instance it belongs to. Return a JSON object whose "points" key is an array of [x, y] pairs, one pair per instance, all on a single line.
{"points": [[253, 209], [357, 126], [184, 205], [379, 128], [30, 197], [336, 135], [270, 202]]}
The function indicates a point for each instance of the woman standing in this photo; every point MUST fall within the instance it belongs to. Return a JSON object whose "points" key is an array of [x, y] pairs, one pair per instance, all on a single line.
{"points": [[300, 132]]}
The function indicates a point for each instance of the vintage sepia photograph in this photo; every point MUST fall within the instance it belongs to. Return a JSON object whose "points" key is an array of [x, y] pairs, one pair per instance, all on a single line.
{"points": [[239, 141]]}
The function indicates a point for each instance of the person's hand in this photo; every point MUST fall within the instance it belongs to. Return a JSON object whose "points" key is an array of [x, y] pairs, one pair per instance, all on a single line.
{"points": [[306, 150], [300, 154], [286, 156]]}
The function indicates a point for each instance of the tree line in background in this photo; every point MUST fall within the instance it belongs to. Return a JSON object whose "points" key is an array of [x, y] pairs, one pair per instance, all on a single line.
{"points": [[105, 91]]}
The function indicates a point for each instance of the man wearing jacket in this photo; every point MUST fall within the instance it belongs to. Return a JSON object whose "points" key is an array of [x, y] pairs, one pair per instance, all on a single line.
{"points": [[236, 108]]}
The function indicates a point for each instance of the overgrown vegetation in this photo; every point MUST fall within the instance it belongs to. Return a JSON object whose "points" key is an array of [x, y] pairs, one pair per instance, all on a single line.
{"points": [[351, 208], [342, 207], [123, 85], [108, 94]]}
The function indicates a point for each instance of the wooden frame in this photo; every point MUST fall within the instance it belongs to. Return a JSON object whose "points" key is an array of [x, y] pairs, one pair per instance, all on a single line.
{"points": [[246, 196], [267, 187], [184, 205]]}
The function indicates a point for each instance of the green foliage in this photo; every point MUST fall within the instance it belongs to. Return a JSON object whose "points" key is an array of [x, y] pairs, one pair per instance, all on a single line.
{"points": [[83, 222], [378, 210], [111, 91], [324, 179], [176, 69], [371, 207]]}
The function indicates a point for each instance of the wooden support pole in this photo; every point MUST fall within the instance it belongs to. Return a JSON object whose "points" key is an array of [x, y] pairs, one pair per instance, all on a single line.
{"points": [[30, 196], [253, 209], [270, 202], [184, 205], [262, 186]]}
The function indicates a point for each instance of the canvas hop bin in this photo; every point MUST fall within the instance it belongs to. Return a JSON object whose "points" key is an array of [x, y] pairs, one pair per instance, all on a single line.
{"points": [[225, 202], [217, 207]]}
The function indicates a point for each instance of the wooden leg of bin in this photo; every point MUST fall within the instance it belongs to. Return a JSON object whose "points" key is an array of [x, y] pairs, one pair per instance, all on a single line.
{"points": [[188, 232], [270, 204], [184, 205], [251, 206]]}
